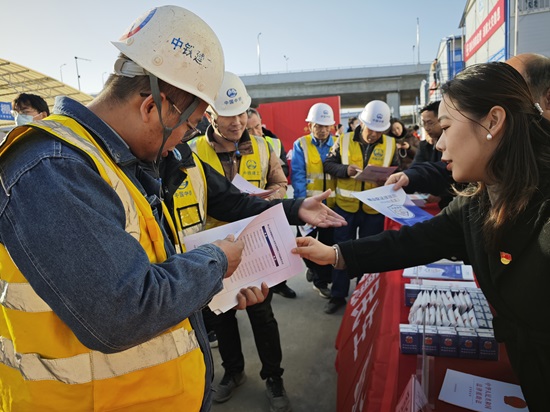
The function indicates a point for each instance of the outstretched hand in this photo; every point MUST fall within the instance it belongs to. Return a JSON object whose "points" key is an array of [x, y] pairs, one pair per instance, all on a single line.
{"points": [[251, 295], [400, 179], [312, 249], [316, 213]]}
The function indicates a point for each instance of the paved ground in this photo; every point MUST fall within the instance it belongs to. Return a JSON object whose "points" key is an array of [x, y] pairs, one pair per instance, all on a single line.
{"points": [[307, 338]]}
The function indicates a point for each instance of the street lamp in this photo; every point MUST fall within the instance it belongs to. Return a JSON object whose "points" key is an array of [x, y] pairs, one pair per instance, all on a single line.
{"points": [[76, 59], [259, 61], [61, 71], [413, 53], [286, 60]]}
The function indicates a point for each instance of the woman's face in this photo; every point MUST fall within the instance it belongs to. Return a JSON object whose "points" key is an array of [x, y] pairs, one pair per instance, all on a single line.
{"points": [[396, 129], [464, 144]]}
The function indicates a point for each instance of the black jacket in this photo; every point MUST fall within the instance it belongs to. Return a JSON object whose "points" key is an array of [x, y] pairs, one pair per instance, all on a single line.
{"points": [[518, 291], [426, 153], [224, 201]]}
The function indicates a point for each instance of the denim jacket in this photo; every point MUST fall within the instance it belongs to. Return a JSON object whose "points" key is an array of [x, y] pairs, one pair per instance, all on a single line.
{"points": [[63, 226]]}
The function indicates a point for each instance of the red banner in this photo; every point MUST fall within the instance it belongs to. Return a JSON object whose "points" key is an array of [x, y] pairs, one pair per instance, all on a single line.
{"points": [[356, 343], [492, 22]]}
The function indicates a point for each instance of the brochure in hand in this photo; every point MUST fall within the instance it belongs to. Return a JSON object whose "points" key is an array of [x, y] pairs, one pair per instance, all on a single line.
{"points": [[266, 257], [394, 204], [374, 173]]}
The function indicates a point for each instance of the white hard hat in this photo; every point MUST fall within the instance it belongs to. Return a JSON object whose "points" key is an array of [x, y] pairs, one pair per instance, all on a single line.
{"points": [[321, 113], [233, 99], [376, 116], [178, 47]]}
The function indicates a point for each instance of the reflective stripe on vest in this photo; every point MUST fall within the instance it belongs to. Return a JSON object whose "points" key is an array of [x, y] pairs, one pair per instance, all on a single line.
{"points": [[316, 180], [275, 144], [168, 353], [95, 365], [351, 153], [190, 202]]}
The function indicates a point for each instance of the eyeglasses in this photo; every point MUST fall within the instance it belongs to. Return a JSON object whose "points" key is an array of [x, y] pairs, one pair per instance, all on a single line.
{"points": [[191, 131]]}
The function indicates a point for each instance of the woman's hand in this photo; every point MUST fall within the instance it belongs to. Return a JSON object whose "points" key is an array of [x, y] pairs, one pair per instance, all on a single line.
{"points": [[315, 251]]}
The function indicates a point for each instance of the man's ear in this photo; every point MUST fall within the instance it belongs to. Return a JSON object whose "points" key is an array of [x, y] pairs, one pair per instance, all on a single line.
{"points": [[147, 107]]}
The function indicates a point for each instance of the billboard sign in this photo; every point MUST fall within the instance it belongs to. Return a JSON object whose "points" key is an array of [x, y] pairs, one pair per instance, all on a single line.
{"points": [[493, 21]]}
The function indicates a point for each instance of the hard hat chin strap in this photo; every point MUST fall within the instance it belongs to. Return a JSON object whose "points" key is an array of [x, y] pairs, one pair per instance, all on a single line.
{"points": [[167, 131]]}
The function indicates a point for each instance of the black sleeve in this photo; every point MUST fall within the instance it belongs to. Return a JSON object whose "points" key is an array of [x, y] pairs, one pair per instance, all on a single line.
{"points": [[421, 154], [420, 244], [228, 204], [333, 163], [429, 177]]}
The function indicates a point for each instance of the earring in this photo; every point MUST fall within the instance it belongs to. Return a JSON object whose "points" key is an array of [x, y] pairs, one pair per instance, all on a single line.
{"points": [[489, 136]]}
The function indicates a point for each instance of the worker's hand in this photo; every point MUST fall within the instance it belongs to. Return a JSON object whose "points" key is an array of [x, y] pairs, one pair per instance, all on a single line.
{"points": [[316, 213], [251, 296], [233, 249], [400, 179], [312, 249], [353, 170]]}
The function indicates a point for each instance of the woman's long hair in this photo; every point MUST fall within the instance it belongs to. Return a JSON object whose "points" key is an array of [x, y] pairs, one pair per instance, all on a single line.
{"points": [[523, 152]]}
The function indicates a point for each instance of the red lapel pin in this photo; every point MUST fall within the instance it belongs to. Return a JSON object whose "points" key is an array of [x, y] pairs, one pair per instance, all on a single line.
{"points": [[505, 258]]}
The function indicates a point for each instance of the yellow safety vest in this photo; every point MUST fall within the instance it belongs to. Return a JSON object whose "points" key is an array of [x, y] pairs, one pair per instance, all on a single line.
{"points": [[190, 203], [317, 180], [350, 153], [275, 144], [44, 367], [253, 167]]}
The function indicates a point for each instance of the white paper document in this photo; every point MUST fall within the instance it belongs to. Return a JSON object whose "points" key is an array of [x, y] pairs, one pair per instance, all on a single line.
{"points": [[481, 394], [246, 187], [374, 173], [268, 241], [394, 204]]}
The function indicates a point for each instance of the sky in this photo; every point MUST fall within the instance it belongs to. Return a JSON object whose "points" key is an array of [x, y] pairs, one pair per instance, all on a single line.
{"points": [[296, 35]]}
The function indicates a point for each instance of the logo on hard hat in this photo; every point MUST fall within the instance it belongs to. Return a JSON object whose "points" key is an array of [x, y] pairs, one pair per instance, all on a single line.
{"points": [[138, 25], [231, 92], [325, 112]]}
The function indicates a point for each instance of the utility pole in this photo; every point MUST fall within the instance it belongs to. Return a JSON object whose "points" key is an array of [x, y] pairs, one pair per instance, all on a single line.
{"points": [[259, 61], [76, 59], [418, 38], [61, 71]]}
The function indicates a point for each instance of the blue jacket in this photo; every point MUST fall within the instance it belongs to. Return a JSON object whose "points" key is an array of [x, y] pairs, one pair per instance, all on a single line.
{"points": [[298, 166]]}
